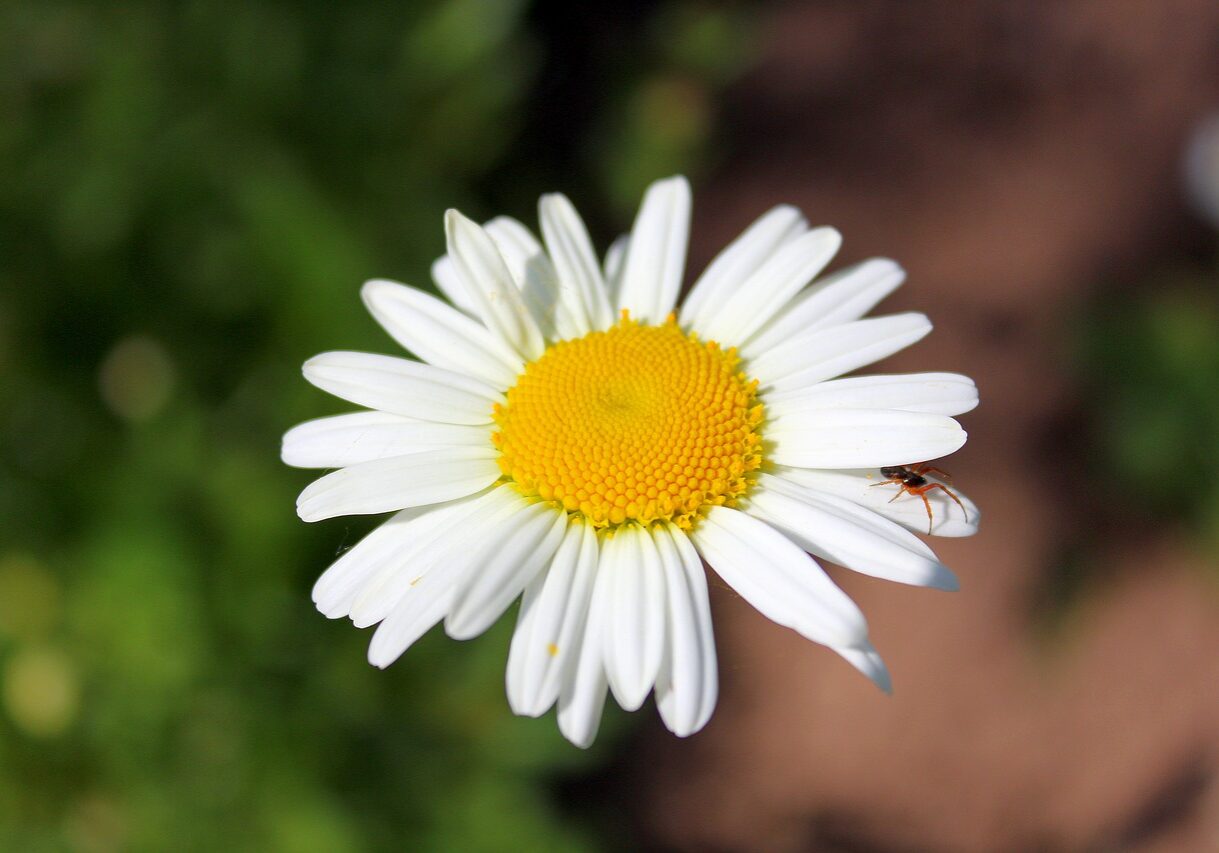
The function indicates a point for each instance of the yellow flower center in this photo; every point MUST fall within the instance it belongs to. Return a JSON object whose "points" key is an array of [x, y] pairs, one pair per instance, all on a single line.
{"points": [[636, 423]]}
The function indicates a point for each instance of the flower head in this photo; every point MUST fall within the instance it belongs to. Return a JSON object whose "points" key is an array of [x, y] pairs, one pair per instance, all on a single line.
{"points": [[571, 437]]}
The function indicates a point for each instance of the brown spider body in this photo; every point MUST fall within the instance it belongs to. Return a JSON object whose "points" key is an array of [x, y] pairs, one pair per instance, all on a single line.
{"points": [[914, 481]]}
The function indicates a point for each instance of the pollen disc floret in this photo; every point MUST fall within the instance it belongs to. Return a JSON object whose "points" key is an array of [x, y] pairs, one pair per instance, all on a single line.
{"points": [[637, 423]]}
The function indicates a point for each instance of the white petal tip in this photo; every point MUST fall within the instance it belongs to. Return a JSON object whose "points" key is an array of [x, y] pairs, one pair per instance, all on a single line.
{"points": [[943, 579], [305, 513], [375, 288], [308, 508], [688, 729], [579, 739], [534, 710], [674, 185], [454, 221], [868, 661], [885, 265], [630, 704], [379, 283], [379, 659], [880, 676], [454, 218], [330, 610], [579, 727], [462, 629], [830, 236], [631, 700], [313, 367]]}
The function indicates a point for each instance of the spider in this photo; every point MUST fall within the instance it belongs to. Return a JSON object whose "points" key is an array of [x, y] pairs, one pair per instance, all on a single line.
{"points": [[913, 481]]}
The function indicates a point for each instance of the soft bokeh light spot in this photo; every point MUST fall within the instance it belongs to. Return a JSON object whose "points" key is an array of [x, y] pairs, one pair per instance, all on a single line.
{"points": [[30, 597], [1202, 169], [136, 378], [41, 691], [96, 824]]}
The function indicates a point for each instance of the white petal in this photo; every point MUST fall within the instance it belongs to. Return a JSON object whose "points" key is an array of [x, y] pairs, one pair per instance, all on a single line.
{"points": [[441, 335], [837, 530], [430, 595], [935, 393], [615, 258], [780, 580], [908, 510], [336, 588], [412, 618], [862, 438], [553, 613], [656, 258], [388, 551], [505, 569], [491, 286], [517, 245], [821, 354], [634, 632], [403, 387], [535, 275], [688, 684], [385, 485], [448, 281], [582, 286], [737, 261], [868, 661], [771, 286], [582, 697], [428, 546], [342, 440], [839, 298]]}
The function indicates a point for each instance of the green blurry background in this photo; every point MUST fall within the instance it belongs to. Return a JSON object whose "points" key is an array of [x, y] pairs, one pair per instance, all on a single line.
{"points": [[190, 197]]}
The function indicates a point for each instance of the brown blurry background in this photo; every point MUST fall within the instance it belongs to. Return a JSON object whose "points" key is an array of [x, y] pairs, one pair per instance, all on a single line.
{"points": [[1023, 161]]}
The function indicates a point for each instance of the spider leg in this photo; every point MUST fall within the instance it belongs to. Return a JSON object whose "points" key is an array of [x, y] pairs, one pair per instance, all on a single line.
{"points": [[927, 469], [930, 518], [900, 492], [950, 494], [884, 483]]}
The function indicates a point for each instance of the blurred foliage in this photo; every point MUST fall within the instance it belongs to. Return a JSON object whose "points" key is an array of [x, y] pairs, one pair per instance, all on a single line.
{"points": [[1154, 357], [192, 193], [658, 122], [1147, 360]]}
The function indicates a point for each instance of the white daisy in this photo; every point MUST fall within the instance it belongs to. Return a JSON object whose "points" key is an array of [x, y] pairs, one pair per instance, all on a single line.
{"points": [[571, 435]]}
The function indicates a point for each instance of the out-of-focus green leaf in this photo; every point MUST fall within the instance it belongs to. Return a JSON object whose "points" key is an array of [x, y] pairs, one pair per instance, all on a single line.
{"points": [[191, 195]]}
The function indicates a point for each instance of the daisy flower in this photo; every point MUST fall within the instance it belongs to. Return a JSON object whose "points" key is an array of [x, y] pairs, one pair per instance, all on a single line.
{"points": [[573, 437]]}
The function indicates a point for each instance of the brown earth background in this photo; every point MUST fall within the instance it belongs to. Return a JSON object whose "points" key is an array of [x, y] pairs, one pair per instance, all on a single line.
{"points": [[1012, 157]]}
